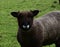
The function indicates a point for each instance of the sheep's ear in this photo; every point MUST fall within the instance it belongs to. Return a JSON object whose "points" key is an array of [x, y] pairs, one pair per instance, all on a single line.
{"points": [[35, 12], [15, 14]]}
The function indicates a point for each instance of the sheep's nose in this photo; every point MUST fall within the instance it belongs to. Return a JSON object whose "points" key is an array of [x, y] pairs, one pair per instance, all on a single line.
{"points": [[26, 26]]}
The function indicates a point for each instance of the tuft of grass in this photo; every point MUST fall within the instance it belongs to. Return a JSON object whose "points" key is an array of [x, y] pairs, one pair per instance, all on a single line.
{"points": [[8, 24]]}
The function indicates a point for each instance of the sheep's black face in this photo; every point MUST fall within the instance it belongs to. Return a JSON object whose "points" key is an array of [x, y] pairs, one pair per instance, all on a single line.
{"points": [[25, 18]]}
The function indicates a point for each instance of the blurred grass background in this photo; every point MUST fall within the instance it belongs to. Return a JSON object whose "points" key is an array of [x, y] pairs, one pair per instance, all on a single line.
{"points": [[8, 24]]}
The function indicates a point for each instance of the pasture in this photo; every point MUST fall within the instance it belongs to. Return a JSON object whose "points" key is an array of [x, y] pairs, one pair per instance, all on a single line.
{"points": [[8, 24]]}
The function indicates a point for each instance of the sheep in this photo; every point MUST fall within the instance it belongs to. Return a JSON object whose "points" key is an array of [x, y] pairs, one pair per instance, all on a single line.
{"points": [[38, 32]]}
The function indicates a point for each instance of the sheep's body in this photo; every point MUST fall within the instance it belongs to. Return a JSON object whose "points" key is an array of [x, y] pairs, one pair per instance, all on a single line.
{"points": [[50, 27], [44, 31]]}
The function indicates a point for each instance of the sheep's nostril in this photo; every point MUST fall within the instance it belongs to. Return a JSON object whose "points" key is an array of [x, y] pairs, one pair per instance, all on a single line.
{"points": [[28, 26], [24, 26]]}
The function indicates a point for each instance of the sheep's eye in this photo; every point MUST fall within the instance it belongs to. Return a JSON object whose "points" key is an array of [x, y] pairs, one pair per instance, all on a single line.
{"points": [[21, 16], [30, 16]]}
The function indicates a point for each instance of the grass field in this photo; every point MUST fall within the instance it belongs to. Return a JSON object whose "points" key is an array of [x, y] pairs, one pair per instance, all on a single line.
{"points": [[8, 24]]}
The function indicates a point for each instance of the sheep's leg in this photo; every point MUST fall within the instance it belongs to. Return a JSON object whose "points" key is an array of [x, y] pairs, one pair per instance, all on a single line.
{"points": [[57, 43], [39, 45]]}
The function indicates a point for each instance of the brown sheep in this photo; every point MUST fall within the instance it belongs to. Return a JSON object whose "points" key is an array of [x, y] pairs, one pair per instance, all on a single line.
{"points": [[38, 32]]}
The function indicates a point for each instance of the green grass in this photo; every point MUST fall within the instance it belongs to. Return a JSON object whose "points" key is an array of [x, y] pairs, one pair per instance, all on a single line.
{"points": [[8, 24]]}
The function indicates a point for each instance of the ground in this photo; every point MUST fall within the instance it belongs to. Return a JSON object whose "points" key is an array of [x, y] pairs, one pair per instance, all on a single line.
{"points": [[8, 24]]}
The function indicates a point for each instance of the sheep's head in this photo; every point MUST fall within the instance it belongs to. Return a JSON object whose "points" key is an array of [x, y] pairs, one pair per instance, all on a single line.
{"points": [[25, 18]]}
